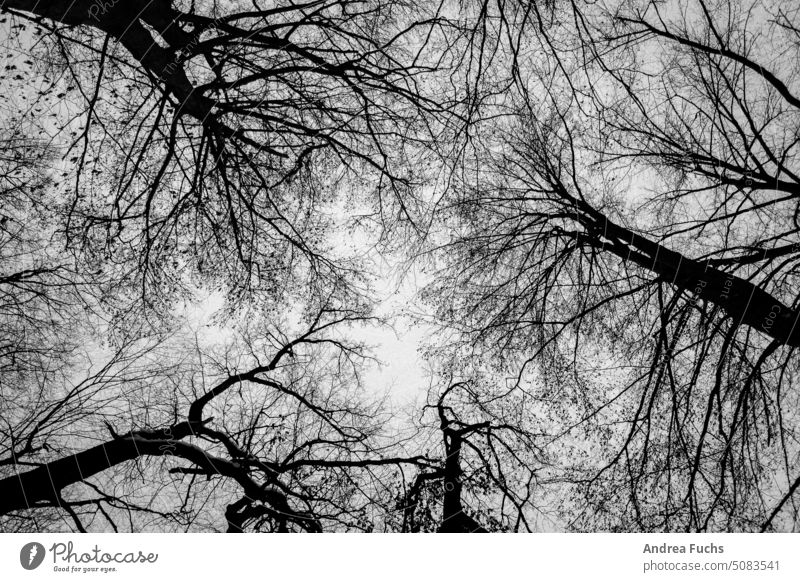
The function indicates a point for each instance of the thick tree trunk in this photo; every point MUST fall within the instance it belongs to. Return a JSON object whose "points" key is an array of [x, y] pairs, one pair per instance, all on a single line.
{"points": [[454, 520], [125, 22], [745, 302], [44, 484]]}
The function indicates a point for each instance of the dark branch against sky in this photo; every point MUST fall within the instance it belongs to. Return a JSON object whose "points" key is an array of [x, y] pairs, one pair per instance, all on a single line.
{"points": [[387, 266]]}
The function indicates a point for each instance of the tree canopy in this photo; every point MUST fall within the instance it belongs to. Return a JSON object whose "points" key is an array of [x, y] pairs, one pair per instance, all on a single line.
{"points": [[595, 203]]}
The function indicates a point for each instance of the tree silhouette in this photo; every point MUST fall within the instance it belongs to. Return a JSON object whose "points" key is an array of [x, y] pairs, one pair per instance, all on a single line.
{"points": [[296, 448], [628, 230], [602, 197], [173, 180], [213, 139]]}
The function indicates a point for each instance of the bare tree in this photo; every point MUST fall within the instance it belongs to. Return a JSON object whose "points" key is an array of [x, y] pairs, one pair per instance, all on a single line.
{"points": [[112, 427], [276, 438], [207, 145], [614, 224], [628, 228], [210, 140], [490, 466]]}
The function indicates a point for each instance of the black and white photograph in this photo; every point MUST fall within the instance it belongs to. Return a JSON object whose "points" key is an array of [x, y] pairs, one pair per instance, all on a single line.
{"points": [[400, 266]]}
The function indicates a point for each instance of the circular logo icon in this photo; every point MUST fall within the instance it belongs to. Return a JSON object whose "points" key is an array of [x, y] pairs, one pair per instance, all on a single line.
{"points": [[31, 555]]}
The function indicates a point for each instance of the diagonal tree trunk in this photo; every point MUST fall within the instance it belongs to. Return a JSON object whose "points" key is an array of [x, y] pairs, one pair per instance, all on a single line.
{"points": [[125, 22], [454, 520], [745, 302], [45, 483]]}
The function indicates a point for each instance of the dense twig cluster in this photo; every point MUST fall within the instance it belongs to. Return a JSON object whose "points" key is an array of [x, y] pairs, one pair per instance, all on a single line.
{"points": [[604, 195]]}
